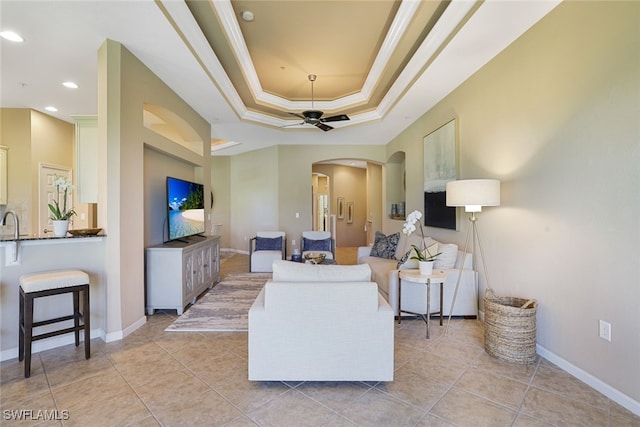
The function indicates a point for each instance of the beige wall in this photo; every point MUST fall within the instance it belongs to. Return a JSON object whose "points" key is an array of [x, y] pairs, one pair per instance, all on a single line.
{"points": [[555, 118], [220, 186], [15, 131], [34, 138], [350, 183], [124, 86], [271, 185]]}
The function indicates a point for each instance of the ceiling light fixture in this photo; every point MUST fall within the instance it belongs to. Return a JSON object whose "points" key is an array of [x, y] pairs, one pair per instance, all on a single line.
{"points": [[51, 108], [247, 15], [11, 36], [70, 85]]}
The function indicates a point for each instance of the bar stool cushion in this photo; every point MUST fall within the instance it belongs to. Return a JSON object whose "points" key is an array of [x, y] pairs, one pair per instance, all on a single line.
{"points": [[53, 280]]}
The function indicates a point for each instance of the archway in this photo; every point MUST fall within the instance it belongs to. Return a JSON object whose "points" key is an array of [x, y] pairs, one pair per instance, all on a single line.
{"points": [[353, 199]]}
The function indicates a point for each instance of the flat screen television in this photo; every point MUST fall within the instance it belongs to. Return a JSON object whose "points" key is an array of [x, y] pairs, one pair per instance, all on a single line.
{"points": [[185, 208]]}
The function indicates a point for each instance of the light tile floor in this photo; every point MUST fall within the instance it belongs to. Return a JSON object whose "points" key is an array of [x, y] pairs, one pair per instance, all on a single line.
{"points": [[155, 378]]}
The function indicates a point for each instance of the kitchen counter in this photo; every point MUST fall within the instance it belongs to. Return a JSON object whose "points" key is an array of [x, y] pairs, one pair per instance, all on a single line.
{"points": [[26, 238], [33, 254]]}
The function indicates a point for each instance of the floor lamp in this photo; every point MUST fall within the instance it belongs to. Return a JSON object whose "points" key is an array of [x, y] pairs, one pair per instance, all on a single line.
{"points": [[473, 194]]}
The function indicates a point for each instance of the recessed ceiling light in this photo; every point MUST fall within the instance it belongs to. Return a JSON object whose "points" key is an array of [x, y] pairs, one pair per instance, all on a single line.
{"points": [[70, 85], [51, 108], [11, 36], [247, 15]]}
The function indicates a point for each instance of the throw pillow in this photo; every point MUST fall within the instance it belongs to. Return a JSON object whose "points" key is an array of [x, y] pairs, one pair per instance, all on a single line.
{"points": [[385, 246], [268, 244], [316, 245], [447, 257]]}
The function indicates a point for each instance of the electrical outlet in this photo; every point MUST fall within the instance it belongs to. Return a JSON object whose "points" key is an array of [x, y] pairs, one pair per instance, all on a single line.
{"points": [[293, 242], [297, 214], [605, 330]]}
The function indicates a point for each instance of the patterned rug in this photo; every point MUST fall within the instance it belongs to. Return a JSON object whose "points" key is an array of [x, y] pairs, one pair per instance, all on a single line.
{"points": [[225, 308]]}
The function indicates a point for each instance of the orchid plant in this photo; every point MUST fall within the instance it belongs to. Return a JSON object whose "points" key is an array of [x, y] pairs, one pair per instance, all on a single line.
{"points": [[63, 187], [423, 253]]}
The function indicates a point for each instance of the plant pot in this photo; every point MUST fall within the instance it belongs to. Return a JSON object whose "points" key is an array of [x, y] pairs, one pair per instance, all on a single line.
{"points": [[426, 267], [60, 228]]}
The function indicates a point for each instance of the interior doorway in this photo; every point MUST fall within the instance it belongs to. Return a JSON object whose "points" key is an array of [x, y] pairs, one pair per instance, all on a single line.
{"points": [[353, 202], [320, 202], [47, 192]]}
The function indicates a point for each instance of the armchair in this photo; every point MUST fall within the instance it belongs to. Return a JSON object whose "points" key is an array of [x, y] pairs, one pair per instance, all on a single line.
{"points": [[264, 248], [318, 241]]}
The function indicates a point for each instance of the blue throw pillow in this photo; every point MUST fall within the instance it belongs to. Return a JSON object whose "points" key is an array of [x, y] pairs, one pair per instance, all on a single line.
{"points": [[268, 244], [385, 246], [316, 245]]}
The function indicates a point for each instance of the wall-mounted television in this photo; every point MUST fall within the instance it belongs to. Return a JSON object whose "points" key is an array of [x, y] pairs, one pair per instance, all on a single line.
{"points": [[185, 208]]}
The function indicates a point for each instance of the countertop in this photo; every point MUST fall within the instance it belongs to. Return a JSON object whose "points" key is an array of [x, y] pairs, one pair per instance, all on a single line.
{"points": [[24, 238]]}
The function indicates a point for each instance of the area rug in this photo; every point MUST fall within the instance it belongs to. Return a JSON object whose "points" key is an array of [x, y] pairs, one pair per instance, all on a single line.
{"points": [[225, 308]]}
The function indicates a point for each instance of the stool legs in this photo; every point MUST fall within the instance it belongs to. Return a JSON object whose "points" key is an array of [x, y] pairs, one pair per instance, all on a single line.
{"points": [[26, 323], [76, 316], [86, 317]]}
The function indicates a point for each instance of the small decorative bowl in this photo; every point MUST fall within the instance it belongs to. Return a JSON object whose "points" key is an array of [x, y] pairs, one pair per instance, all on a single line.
{"points": [[315, 257], [85, 231]]}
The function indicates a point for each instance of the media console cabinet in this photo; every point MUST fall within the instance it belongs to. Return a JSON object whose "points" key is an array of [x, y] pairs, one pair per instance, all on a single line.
{"points": [[178, 272]]}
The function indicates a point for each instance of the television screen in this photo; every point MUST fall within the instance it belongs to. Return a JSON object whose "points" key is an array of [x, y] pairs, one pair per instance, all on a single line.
{"points": [[185, 208]]}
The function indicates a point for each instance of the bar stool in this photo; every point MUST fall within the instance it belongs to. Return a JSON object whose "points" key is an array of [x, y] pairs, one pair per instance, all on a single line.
{"points": [[45, 284]]}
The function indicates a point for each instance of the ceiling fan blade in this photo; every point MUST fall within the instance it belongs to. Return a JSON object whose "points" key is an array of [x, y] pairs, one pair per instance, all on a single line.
{"points": [[323, 126], [336, 118], [300, 116], [292, 124]]}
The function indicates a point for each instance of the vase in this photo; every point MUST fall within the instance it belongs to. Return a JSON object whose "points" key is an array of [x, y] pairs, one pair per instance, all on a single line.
{"points": [[60, 227], [426, 267]]}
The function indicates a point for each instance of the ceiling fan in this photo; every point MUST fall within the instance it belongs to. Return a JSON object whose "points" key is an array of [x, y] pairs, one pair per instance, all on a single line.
{"points": [[314, 117]]}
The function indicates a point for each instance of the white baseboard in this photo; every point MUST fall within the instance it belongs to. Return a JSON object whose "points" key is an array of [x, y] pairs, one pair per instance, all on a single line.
{"points": [[238, 251], [49, 343], [62, 340], [118, 335], [597, 384]]}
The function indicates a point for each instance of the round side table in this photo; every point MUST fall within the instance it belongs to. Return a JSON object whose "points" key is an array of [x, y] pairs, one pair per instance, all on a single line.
{"points": [[438, 276]]}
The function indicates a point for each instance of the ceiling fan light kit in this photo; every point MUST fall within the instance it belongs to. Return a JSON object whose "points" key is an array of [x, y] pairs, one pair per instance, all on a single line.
{"points": [[314, 117]]}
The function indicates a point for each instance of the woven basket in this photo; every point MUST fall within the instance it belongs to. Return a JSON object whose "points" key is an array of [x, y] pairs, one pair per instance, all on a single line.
{"points": [[510, 328]]}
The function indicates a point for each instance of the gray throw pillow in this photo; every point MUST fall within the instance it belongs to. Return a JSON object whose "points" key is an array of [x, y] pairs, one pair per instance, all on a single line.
{"points": [[385, 246]]}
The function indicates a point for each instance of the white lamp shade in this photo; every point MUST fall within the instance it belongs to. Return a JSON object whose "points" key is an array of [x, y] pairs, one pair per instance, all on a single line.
{"points": [[473, 193]]}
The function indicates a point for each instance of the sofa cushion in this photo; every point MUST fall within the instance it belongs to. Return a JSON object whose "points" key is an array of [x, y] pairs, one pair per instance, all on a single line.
{"points": [[385, 246], [447, 257], [287, 271], [268, 244], [316, 245], [380, 268]]}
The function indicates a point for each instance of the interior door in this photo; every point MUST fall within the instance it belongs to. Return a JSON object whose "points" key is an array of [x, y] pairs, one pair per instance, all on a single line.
{"points": [[47, 192]]}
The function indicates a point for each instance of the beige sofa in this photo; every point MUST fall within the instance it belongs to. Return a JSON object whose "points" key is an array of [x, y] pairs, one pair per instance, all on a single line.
{"points": [[414, 299], [320, 323]]}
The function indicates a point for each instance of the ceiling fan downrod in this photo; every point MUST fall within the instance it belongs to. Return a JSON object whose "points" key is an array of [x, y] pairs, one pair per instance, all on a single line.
{"points": [[312, 78]]}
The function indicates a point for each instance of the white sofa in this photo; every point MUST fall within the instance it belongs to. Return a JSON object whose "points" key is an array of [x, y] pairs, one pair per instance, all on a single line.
{"points": [[320, 323], [414, 297]]}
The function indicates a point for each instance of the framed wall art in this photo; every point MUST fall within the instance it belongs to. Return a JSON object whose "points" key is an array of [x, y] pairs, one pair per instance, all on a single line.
{"points": [[349, 212], [440, 167], [340, 207]]}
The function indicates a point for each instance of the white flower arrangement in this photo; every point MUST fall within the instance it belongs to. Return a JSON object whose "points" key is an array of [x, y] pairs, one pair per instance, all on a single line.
{"points": [[422, 254], [63, 186]]}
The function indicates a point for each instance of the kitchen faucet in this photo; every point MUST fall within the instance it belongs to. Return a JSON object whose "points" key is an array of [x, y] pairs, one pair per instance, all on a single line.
{"points": [[16, 232]]}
